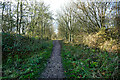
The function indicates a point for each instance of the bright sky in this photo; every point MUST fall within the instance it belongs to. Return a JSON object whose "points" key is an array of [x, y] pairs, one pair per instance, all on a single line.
{"points": [[55, 6]]}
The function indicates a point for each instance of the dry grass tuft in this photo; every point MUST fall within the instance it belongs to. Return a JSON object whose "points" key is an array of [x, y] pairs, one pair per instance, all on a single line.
{"points": [[100, 40]]}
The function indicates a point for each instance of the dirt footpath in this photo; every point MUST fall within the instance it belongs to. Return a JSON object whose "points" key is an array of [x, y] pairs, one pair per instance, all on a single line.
{"points": [[54, 67]]}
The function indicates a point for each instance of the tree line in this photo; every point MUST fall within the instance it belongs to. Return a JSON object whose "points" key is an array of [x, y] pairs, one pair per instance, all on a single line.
{"points": [[26, 17], [88, 17]]}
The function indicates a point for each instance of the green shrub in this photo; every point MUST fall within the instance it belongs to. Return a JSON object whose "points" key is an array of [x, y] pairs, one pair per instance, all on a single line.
{"points": [[24, 57], [103, 39], [18, 44], [83, 62]]}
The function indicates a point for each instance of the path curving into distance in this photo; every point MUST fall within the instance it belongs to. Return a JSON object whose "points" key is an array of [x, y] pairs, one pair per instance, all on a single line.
{"points": [[54, 67]]}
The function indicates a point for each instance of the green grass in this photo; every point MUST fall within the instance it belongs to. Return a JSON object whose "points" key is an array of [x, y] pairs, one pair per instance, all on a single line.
{"points": [[24, 57], [83, 62], [29, 66]]}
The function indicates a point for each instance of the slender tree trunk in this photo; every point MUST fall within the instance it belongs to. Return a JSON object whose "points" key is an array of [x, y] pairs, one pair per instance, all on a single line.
{"points": [[41, 30], [44, 29], [10, 19], [7, 19], [69, 37], [17, 17], [66, 35], [118, 18], [21, 14], [3, 7], [23, 28]]}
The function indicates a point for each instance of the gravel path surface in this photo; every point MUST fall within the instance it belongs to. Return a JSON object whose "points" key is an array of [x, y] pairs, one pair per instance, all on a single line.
{"points": [[54, 67]]}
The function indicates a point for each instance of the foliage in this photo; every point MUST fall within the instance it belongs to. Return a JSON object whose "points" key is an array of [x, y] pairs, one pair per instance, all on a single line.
{"points": [[18, 44], [104, 39], [26, 31], [83, 62], [90, 23], [27, 17], [24, 57]]}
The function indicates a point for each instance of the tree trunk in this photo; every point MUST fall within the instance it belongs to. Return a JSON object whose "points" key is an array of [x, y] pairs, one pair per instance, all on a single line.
{"points": [[10, 19], [70, 37], [3, 6], [17, 17], [21, 14]]}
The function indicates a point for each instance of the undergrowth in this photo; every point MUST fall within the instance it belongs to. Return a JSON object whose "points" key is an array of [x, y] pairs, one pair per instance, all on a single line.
{"points": [[24, 57], [105, 39], [84, 62]]}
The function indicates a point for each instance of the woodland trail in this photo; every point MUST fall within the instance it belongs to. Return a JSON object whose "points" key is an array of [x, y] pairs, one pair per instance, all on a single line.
{"points": [[54, 67]]}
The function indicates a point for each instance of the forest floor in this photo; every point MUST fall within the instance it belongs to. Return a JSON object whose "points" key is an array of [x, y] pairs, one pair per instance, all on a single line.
{"points": [[54, 67]]}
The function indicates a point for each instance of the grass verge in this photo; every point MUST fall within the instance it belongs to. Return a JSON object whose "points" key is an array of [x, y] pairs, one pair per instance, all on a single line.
{"points": [[28, 65], [83, 62]]}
